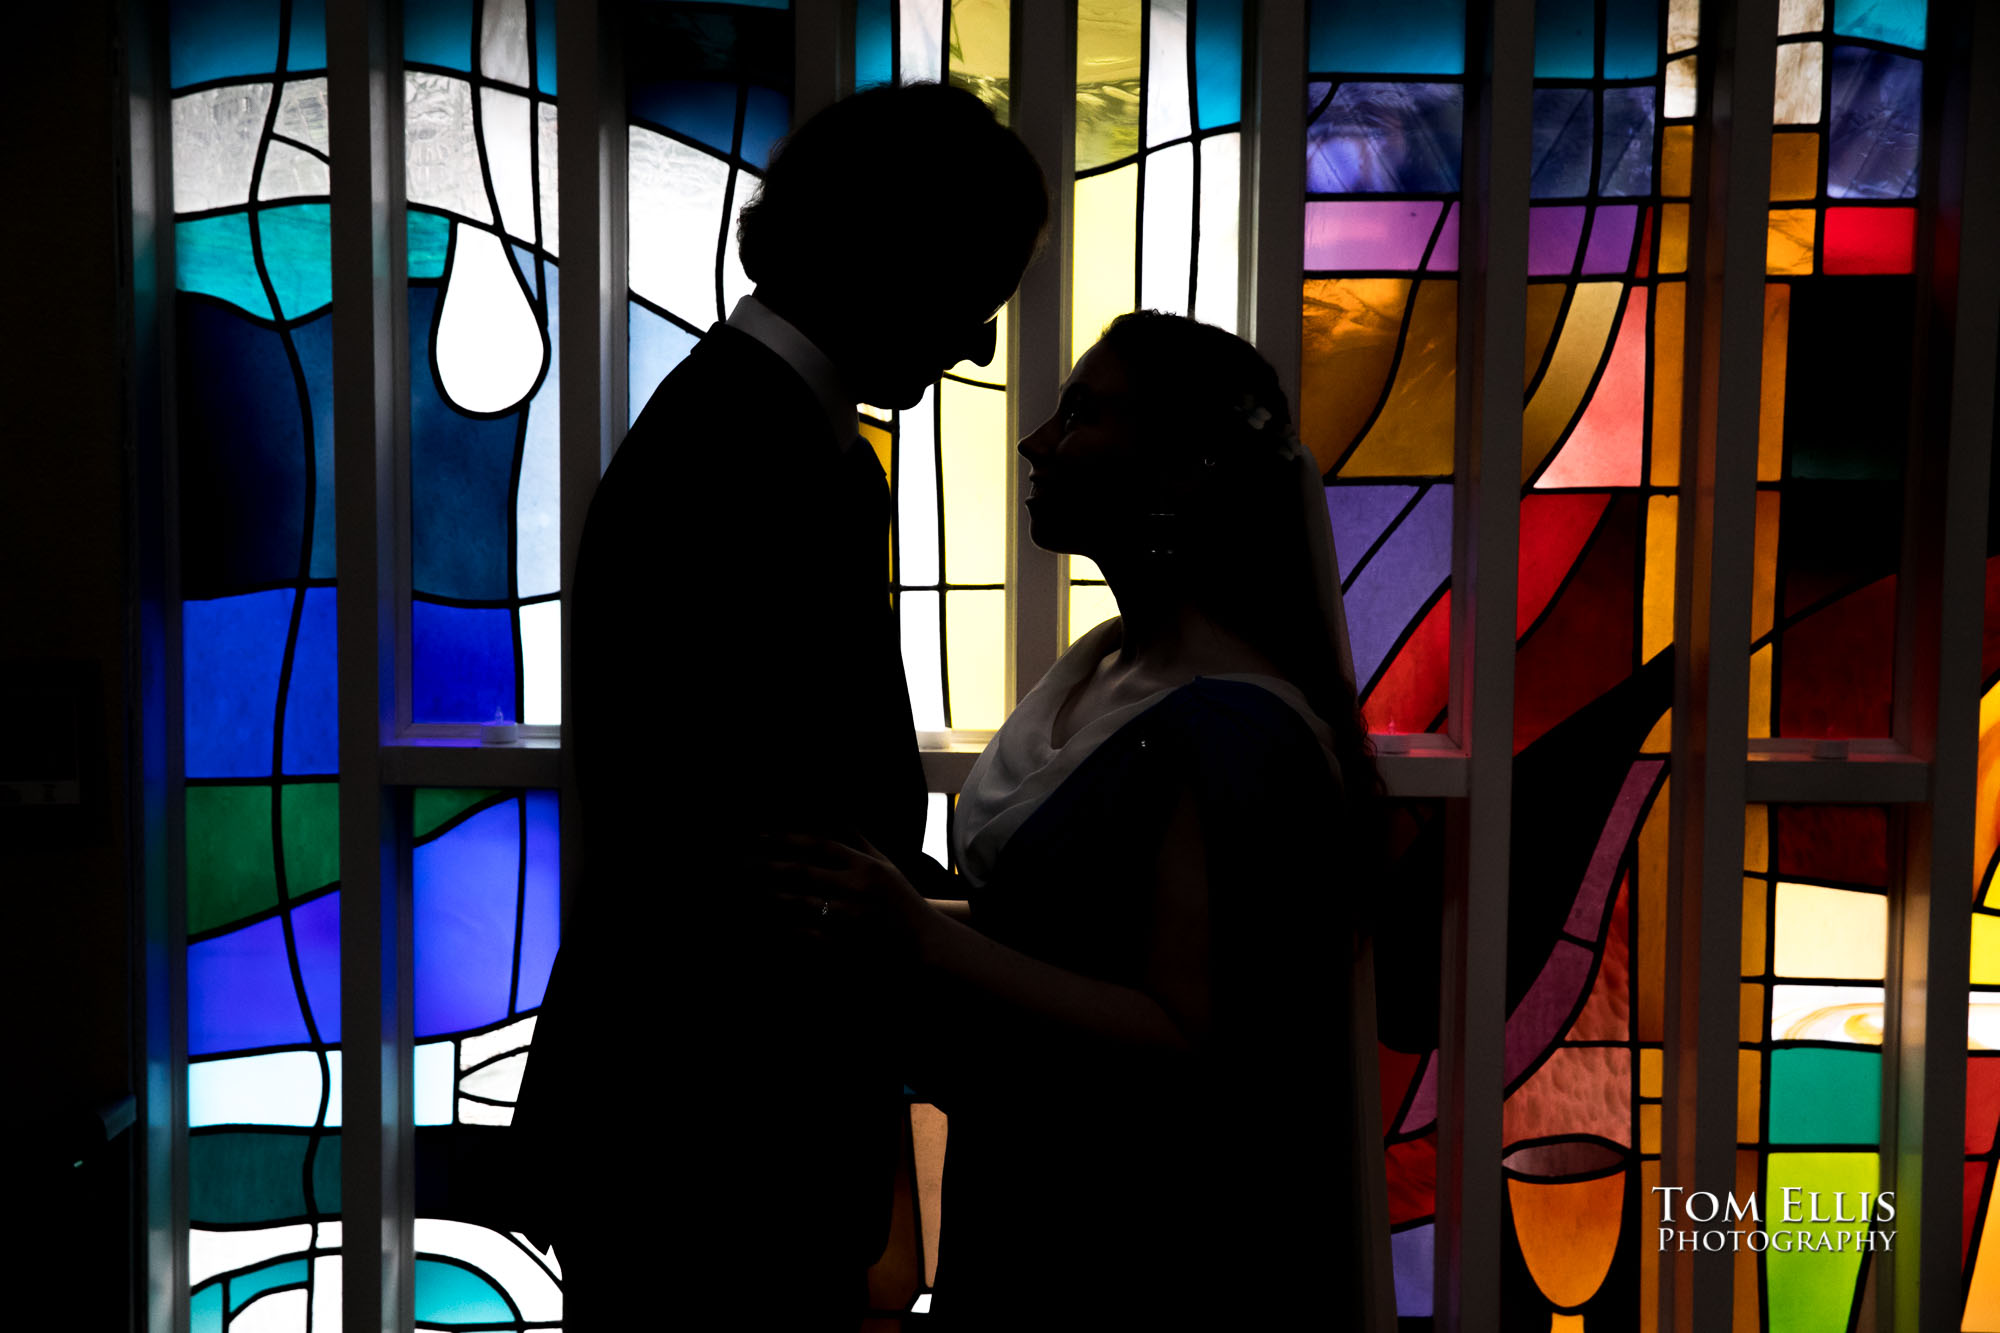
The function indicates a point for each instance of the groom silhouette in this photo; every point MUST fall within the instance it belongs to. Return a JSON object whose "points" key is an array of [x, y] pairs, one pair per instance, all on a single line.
{"points": [[711, 1107]]}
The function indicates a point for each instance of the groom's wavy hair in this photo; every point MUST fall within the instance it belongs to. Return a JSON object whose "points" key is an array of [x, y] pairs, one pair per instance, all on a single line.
{"points": [[1215, 402]]}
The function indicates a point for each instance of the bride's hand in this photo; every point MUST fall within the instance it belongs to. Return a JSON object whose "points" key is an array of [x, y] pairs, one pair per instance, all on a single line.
{"points": [[848, 895]]}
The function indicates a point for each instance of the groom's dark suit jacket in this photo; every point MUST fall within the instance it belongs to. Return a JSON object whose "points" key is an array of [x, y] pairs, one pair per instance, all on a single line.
{"points": [[736, 668]]}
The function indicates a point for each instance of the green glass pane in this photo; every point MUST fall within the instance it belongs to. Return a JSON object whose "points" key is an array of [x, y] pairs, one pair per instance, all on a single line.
{"points": [[298, 254], [1822, 1096], [246, 1177], [212, 255], [244, 1289], [430, 237], [311, 818], [1813, 1291], [436, 806], [326, 1174], [229, 867]]}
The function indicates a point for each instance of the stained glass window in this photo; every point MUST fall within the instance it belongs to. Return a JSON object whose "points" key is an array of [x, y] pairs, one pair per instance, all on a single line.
{"points": [[1157, 203], [1839, 315], [480, 173], [255, 394], [1981, 1253], [1385, 106]]}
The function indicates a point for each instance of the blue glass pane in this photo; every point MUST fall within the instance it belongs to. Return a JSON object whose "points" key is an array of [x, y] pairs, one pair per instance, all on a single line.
{"points": [[1367, 36], [656, 345], [1218, 62], [1900, 22], [524, 260], [461, 480], [307, 49], [316, 930], [1877, 125], [298, 254], [205, 1315], [246, 1287], [448, 1294], [314, 343], [430, 240], [438, 32], [545, 46], [312, 702], [243, 463], [239, 991], [463, 895], [215, 39], [1565, 39], [767, 116], [1559, 159], [462, 663], [1386, 137], [1386, 594], [232, 650], [703, 111], [874, 52], [1631, 38], [1360, 514], [1627, 163], [541, 909], [213, 255]]}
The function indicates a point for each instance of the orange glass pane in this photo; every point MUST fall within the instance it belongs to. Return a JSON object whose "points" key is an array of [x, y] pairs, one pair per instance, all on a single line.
{"points": [[1749, 1095], [1753, 927], [1657, 620], [1604, 448], [1673, 238], [1794, 166], [1760, 693], [1789, 248], [1764, 566], [1413, 435], [1677, 161], [1568, 1231], [1756, 837], [1771, 409], [1579, 351], [1750, 1007], [1745, 1315], [1544, 304], [1652, 951], [1349, 333], [1669, 331]]}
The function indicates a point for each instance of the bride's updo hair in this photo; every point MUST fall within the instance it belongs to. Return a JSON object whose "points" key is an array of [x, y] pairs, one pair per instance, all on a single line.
{"points": [[1215, 405]]}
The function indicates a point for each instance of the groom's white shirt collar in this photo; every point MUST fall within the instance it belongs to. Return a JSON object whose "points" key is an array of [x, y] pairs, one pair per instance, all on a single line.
{"points": [[753, 317]]}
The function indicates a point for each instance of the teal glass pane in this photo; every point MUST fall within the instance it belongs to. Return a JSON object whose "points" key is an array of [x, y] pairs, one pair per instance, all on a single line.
{"points": [[448, 1294], [218, 39], [249, 1286], [438, 32], [1825, 1096], [430, 240], [1901, 22], [874, 44], [213, 256], [1565, 39], [1363, 36], [1632, 38], [1218, 62], [298, 254]]}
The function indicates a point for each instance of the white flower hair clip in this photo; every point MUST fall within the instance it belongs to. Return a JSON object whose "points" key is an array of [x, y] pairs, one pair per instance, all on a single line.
{"points": [[1254, 415]]}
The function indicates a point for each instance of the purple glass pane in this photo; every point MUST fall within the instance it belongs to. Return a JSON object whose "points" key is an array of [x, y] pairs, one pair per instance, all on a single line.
{"points": [[1414, 1253], [541, 912], [1389, 591], [1627, 163], [316, 930], [464, 887], [1385, 138], [1444, 255], [1559, 158], [1366, 235], [239, 991], [1877, 125], [1552, 237], [1359, 514], [1610, 248]]}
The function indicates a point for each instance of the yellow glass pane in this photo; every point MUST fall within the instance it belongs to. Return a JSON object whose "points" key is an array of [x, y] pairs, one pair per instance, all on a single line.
{"points": [[1412, 436], [1750, 1010], [1760, 694], [1982, 1298], [1797, 100], [1749, 1094], [1764, 566], [1661, 738], [1789, 249], [1349, 337], [1825, 932], [1794, 166], [1579, 350], [1669, 332], [1986, 798], [1104, 271], [1108, 62], [1673, 238], [1649, 1127], [1985, 950], [1090, 605], [979, 51], [975, 638], [1756, 837], [1652, 1071], [1657, 623], [1652, 925], [975, 457], [878, 440], [1771, 405], [1677, 161], [1753, 927], [1544, 304]]}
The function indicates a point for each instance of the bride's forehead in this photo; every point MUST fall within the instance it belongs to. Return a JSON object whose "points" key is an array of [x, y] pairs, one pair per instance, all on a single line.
{"points": [[1099, 368]]}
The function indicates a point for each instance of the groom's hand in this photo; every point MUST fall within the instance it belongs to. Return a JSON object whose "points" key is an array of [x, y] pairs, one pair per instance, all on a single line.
{"points": [[846, 894]]}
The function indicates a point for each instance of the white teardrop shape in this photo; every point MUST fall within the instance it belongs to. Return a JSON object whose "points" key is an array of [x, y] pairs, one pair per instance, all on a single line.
{"points": [[489, 344]]}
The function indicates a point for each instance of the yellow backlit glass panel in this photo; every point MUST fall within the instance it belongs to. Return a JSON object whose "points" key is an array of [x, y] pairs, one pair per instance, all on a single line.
{"points": [[975, 628], [1760, 693], [1985, 950], [1350, 331], [1789, 249], [1986, 801], [1103, 280], [979, 52], [1657, 629], [1652, 1074], [1090, 605], [1412, 436], [1669, 337], [1677, 161], [1109, 58], [1824, 932], [1673, 238], [974, 461]]}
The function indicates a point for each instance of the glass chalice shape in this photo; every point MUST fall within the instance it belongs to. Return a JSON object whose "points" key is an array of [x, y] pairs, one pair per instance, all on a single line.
{"points": [[1567, 1196]]}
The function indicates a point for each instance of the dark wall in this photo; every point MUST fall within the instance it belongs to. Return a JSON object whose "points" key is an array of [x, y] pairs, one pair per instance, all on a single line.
{"points": [[63, 552]]}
